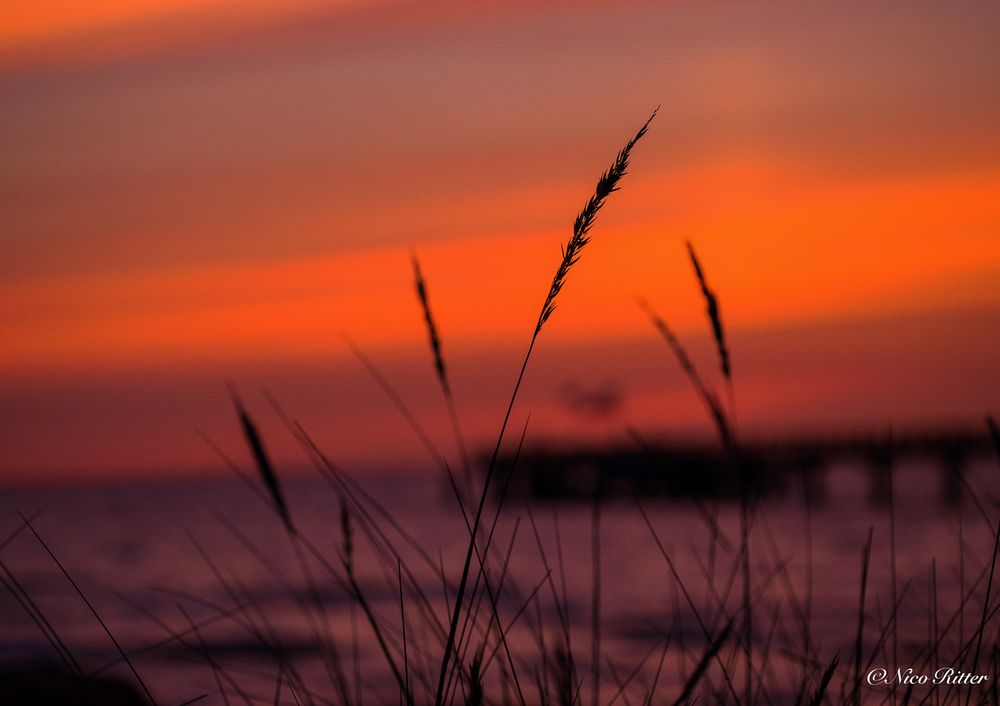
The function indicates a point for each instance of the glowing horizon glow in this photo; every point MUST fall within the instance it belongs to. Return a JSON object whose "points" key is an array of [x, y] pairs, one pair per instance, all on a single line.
{"points": [[273, 308]]}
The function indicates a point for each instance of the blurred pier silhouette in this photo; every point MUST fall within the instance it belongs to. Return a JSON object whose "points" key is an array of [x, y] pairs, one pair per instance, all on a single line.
{"points": [[704, 469]]}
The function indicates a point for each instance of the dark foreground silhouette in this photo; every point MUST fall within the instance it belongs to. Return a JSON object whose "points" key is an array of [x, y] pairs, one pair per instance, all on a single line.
{"points": [[42, 685]]}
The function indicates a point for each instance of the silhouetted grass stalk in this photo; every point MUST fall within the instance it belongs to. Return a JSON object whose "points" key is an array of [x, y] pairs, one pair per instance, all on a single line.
{"points": [[595, 591], [824, 682], [465, 498], [347, 559], [718, 331], [607, 184], [91, 608], [708, 396], [322, 632], [441, 371], [719, 336], [859, 637]]}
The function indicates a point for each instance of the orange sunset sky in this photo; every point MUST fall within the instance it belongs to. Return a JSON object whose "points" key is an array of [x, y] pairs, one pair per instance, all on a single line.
{"points": [[194, 191]]}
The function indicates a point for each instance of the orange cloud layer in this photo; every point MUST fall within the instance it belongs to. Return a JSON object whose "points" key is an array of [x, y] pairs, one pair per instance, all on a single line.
{"points": [[781, 248]]}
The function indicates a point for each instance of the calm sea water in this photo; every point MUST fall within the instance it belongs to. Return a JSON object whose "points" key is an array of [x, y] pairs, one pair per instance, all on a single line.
{"points": [[155, 559]]}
